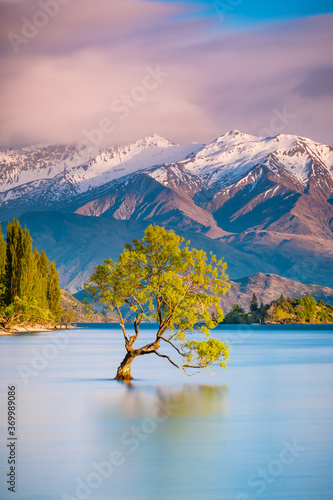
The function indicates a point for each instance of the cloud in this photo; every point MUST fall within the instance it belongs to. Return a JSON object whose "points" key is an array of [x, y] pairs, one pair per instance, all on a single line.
{"points": [[318, 83], [91, 54]]}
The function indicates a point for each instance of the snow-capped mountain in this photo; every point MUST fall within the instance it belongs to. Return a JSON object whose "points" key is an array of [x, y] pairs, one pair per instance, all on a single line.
{"points": [[235, 183], [40, 177], [43, 177], [233, 155], [85, 166], [269, 199]]}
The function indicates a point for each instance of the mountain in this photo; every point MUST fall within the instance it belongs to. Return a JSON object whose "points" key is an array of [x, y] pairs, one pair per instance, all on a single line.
{"points": [[269, 287], [77, 244], [51, 177], [237, 182], [265, 204], [70, 303]]}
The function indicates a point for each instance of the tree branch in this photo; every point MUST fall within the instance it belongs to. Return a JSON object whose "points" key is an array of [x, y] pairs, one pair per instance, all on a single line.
{"points": [[173, 345], [177, 366], [137, 320], [122, 324], [167, 357]]}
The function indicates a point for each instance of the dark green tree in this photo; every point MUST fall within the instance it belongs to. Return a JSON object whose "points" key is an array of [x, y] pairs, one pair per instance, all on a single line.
{"points": [[2, 267], [54, 292], [2, 253], [14, 252], [236, 316], [29, 285], [254, 304], [43, 269], [28, 270]]}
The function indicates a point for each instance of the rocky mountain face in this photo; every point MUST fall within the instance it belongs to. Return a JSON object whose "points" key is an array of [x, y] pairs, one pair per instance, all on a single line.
{"points": [[70, 303], [265, 204], [268, 287], [53, 177], [77, 244]]}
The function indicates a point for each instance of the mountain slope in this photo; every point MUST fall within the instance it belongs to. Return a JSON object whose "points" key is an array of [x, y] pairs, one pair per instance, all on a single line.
{"points": [[40, 177], [269, 287], [283, 183], [78, 243]]}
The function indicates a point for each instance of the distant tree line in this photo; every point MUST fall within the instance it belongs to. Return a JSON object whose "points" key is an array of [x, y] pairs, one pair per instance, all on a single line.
{"points": [[29, 282], [282, 311]]}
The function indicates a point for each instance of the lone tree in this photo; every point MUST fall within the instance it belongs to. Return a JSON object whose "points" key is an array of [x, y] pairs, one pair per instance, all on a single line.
{"points": [[162, 280]]}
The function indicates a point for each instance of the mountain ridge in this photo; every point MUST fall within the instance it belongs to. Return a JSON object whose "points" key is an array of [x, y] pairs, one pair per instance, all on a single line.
{"points": [[59, 174], [263, 203]]}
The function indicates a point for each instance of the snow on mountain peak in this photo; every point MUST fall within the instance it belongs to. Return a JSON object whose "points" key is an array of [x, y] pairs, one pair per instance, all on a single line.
{"points": [[155, 140], [234, 154], [224, 161], [83, 168]]}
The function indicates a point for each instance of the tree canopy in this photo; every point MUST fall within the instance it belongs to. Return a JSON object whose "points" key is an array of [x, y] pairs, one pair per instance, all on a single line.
{"points": [[162, 280], [29, 283], [283, 311]]}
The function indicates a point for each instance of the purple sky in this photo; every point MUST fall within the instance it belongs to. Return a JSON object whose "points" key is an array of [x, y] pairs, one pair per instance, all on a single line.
{"points": [[75, 72]]}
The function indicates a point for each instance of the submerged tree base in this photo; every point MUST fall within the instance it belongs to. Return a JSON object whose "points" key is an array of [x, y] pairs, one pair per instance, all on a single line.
{"points": [[123, 378], [124, 369]]}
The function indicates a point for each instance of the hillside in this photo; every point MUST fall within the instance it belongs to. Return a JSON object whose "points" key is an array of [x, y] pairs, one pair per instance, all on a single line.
{"points": [[269, 287], [70, 303]]}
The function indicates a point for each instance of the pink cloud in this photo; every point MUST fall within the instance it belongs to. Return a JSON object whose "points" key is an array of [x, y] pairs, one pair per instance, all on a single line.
{"points": [[66, 78]]}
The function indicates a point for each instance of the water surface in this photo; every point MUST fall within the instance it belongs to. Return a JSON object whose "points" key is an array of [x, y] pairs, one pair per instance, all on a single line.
{"points": [[260, 429]]}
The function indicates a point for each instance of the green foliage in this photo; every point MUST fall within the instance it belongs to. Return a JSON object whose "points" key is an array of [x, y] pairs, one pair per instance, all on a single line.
{"points": [[254, 303], [68, 317], [54, 292], [2, 253], [236, 316], [23, 313], [205, 352], [162, 280], [2, 266], [29, 284], [288, 311]]}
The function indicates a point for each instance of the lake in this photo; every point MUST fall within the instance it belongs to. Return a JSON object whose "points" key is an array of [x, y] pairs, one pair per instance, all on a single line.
{"points": [[261, 429]]}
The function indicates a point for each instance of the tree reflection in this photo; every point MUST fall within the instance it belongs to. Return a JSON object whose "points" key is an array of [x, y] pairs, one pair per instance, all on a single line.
{"points": [[184, 402]]}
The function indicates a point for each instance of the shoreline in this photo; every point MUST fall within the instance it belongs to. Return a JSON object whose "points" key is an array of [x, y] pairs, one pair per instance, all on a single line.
{"points": [[17, 330]]}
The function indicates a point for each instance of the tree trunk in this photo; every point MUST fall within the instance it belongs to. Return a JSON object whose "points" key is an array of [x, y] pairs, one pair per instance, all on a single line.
{"points": [[124, 369]]}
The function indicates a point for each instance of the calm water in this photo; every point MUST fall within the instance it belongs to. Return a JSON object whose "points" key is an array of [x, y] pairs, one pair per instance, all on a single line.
{"points": [[262, 429]]}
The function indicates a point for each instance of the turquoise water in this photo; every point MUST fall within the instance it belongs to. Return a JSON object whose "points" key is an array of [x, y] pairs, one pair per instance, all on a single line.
{"points": [[262, 429]]}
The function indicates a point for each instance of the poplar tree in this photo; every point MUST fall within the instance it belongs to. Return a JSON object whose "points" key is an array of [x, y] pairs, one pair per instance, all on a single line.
{"points": [[29, 284], [14, 253], [43, 272], [2, 254], [53, 291], [2, 266], [28, 270]]}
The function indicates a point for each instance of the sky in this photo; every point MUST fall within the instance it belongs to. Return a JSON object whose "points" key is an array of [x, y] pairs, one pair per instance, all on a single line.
{"points": [[114, 71]]}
